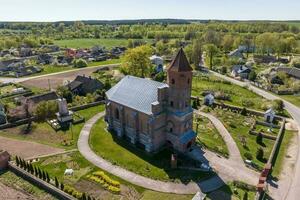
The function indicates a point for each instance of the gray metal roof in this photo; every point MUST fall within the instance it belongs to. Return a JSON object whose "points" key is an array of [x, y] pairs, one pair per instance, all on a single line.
{"points": [[136, 93]]}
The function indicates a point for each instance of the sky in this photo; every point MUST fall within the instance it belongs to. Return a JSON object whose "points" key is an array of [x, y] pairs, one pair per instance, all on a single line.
{"points": [[69, 10]]}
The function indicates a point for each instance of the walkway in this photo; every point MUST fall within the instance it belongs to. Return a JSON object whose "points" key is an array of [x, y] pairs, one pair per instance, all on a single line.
{"points": [[168, 187], [294, 181]]}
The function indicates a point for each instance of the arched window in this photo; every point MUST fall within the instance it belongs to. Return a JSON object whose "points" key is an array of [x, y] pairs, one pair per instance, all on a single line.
{"points": [[117, 114], [173, 81], [171, 103]]}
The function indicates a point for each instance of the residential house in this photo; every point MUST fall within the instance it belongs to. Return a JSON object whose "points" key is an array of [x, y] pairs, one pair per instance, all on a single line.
{"points": [[158, 62], [236, 54], [241, 71], [83, 85], [291, 71], [154, 114]]}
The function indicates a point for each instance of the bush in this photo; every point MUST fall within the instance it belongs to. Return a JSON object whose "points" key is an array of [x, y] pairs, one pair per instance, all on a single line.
{"points": [[259, 138], [296, 62], [80, 63], [106, 182], [244, 112], [260, 154], [248, 156]]}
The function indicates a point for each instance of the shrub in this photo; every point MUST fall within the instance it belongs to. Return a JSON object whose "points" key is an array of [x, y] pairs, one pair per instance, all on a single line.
{"points": [[80, 63], [56, 182], [259, 154], [244, 111], [245, 197], [248, 156], [259, 138], [106, 182]]}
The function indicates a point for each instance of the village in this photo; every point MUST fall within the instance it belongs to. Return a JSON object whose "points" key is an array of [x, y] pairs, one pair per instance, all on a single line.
{"points": [[144, 111]]}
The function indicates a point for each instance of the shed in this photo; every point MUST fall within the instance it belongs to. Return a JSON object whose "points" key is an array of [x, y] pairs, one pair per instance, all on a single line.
{"points": [[270, 115], [209, 99]]}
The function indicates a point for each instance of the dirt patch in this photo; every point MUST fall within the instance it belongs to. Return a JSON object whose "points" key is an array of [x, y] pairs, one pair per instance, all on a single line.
{"points": [[58, 79], [11, 193], [26, 149]]}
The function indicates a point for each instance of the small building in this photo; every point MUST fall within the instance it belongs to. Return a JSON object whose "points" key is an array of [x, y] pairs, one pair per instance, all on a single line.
{"points": [[158, 62], [270, 115], [290, 71], [209, 99], [236, 54], [83, 85], [4, 158], [241, 71]]}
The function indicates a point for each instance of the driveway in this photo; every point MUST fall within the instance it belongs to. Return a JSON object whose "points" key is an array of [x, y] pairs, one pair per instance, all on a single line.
{"points": [[293, 191]]}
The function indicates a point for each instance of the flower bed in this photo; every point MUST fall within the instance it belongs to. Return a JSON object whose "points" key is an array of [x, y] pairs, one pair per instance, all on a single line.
{"points": [[104, 180]]}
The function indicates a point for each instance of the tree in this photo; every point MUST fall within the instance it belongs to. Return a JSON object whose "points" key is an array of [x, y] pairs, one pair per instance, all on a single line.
{"points": [[56, 182], [252, 75], [136, 61], [278, 105], [245, 197], [80, 63], [64, 92], [259, 138], [194, 105], [17, 161], [46, 109], [62, 186], [227, 43], [83, 197], [211, 51], [47, 177], [260, 154]]}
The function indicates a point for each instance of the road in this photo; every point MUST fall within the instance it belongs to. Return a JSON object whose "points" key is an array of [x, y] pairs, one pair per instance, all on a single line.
{"points": [[46, 76], [293, 191]]}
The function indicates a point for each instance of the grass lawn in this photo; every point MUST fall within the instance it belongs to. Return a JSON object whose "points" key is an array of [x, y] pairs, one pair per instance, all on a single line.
{"points": [[120, 152], [294, 99], [230, 191], [209, 137], [238, 126], [287, 137], [239, 96], [43, 133], [11, 180], [88, 43], [152, 195]]}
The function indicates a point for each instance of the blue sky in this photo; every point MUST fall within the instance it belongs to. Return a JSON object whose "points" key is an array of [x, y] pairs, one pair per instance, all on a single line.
{"points": [[55, 10]]}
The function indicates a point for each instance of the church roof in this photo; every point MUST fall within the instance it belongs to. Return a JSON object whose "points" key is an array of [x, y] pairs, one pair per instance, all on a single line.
{"points": [[136, 93], [180, 63]]}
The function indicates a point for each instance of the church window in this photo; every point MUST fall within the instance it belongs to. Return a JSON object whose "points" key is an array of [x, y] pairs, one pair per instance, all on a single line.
{"points": [[171, 103], [117, 114]]}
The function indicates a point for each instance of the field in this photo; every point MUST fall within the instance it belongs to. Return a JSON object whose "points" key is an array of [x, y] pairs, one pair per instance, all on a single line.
{"points": [[17, 188], [209, 137], [121, 153], [88, 43], [43, 133], [233, 94]]}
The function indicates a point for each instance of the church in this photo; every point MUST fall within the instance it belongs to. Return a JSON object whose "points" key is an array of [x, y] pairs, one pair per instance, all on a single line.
{"points": [[154, 114]]}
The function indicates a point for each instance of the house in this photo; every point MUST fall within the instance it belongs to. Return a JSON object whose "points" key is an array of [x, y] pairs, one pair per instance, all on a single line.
{"points": [[270, 115], [4, 158], [25, 52], [45, 59], [291, 71], [241, 71], [83, 85], [209, 99], [236, 54], [152, 114]]}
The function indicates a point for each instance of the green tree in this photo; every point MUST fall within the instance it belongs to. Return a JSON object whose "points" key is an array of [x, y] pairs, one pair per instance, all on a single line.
{"points": [[252, 75], [278, 105], [80, 63], [245, 197], [56, 182], [136, 61], [17, 161], [227, 43], [259, 138], [260, 154], [211, 50], [62, 186], [46, 109]]}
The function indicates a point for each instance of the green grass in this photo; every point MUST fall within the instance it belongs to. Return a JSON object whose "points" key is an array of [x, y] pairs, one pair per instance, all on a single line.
{"points": [[239, 96], [238, 126], [282, 153], [43, 133], [208, 136], [88, 43], [152, 195], [11, 180], [121, 153], [294, 99]]}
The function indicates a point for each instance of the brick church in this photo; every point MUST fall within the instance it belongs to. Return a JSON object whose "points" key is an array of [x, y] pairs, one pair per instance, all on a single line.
{"points": [[151, 113]]}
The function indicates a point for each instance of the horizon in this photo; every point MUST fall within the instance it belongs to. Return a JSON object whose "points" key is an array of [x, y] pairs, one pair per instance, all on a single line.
{"points": [[79, 10]]}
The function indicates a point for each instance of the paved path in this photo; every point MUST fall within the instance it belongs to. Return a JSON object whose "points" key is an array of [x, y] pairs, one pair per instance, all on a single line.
{"points": [[45, 76], [294, 189], [234, 153], [168, 187], [234, 167]]}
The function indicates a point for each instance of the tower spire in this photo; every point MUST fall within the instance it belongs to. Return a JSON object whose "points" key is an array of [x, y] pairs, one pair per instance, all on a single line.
{"points": [[180, 63]]}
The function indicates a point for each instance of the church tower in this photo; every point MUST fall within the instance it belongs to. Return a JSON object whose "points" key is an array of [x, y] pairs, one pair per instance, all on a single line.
{"points": [[179, 79], [180, 134]]}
